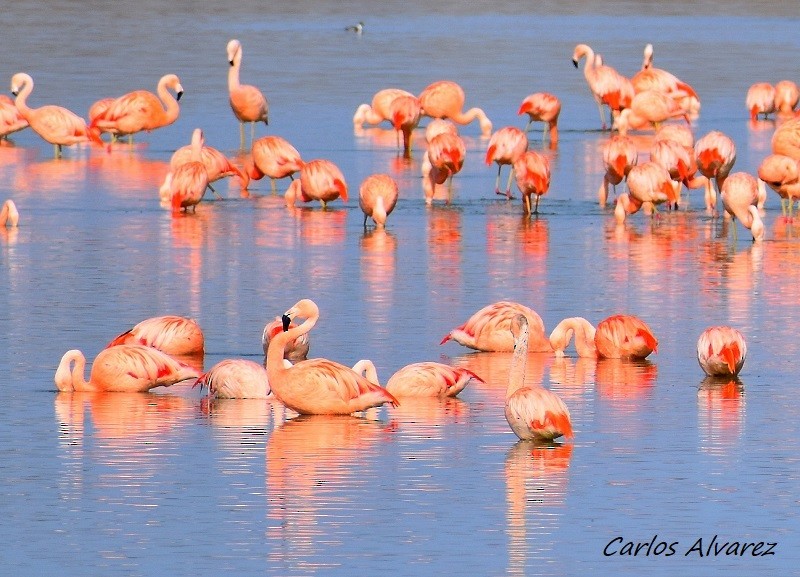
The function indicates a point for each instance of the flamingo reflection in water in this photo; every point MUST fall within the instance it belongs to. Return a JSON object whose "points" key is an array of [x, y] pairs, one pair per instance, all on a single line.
{"points": [[721, 411]]}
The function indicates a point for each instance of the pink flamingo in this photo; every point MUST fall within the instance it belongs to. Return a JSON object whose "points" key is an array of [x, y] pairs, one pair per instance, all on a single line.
{"points": [[429, 379], [318, 386], [652, 78], [678, 161], [443, 159], [786, 139], [787, 94], [296, 350], [380, 109], [445, 99], [782, 174], [532, 171], [608, 87], [171, 334], [320, 180], [619, 156], [9, 215], [721, 351], [651, 184], [715, 154], [760, 99], [405, 114], [275, 157], [142, 110], [533, 412], [624, 206], [740, 196], [55, 124], [377, 198], [488, 329], [648, 109], [247, 102], [186, 185], [217, 165], [236, 379], [616, 337], [11, 119], [506, 146], [542, 107], [122, 368]]}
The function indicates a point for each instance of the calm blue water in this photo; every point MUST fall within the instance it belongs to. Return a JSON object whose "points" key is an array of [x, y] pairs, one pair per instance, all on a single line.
{"points": [[166, 483]]}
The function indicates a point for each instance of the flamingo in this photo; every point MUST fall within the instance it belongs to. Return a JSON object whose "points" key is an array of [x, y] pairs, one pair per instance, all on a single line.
{"points": [[649, 108], [318, 386], [532, 171], [122, 368], [405, 114], [142, 110], [98, 108], [626, 205], [608, 87], [320, 180], [275, 157], [236, 379], [542, 107], [296, 350], [445, 99], [247, 102], [760, 99], [488, 329], [380, 109], [619, 156], [9, 215], [652, 78], [721, 351], [11, 119], [186, 185], [506, 146], [786, 139], [217, 164], [377, 198], [171, 334], [782, 174], [533, 412], [443, 159], [715, 154], [618, 336], [429, 379], [439, 126], [740, 197], [651, 183], [55, 124], [787, 94], [678, 161]]}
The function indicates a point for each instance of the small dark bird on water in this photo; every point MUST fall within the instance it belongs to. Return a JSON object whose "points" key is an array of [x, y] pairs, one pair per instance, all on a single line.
{"points": [[357, 28]]}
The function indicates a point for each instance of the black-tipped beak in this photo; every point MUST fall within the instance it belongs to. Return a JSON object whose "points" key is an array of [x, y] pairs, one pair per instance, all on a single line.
{"points": [[575, 62], [178, 95], [286, 322], [15, 92], [230, 62]]}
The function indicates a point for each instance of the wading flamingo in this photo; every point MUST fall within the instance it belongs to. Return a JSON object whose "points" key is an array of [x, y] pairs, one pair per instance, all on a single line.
{"points": [[247, 102], [624, 206], [379, 110], [11, 119], [405, 115], [741, 196], [186, 185], [533, 412], [489, 329], [445, 99], [619, 156], [721, 351], [608, 87], [9, 215], [787, 94], [142, 110], [616, 337], [320, 180], [651, 184], [55, 124], [318, 386], [786, 139], [648, 109], [235, 379], [532, 172], [506, 146], [542, 107], [652, 78], [782, 174], [275, 157], [123, 368], [715, 154], [377, 198], [217, 165], [296, 350], [443, 159], [171, 334], [678, 161], [760, 100], [429, 379]]}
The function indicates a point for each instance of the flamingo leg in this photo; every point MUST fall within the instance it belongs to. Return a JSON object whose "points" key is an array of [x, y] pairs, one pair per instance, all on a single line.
{"points": [[536, 205], [241, 135], [497, 181], [508, 184]]}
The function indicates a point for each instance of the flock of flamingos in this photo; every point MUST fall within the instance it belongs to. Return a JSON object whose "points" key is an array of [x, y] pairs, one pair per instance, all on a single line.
{"points": [[159, 351]]}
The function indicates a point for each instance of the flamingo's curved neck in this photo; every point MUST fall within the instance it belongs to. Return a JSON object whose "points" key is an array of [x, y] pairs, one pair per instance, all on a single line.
{"points": [[519, 362], [21, 101], [172, 109], [233, 71], [277, 349]]}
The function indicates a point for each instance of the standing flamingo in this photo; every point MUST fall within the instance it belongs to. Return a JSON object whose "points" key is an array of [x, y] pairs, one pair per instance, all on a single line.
{"points": [[650, 183], [186, 185], [648, 109], [488, 329], [171, 334], [377, 198], [9, 215], [379, 110], [678, 161], [782, 174], [443, 159], [236, 379], [787, 94], [506, 146], [533, 412], [445, 99], [652, 78], [760, 99], [786, 139], [318, 386], [123, 368], [532, 170], [618, 336], [247, 102], [11, 119], [740, 197], [619, 156], [55, 124], [608, 87], [721, 351], [624, 206], [542, 107], [715, 154], [296, 350], [584, 333], [275, 157], [142, 110], [217, 164], [429, 379], [320, 180], [405, 114]]}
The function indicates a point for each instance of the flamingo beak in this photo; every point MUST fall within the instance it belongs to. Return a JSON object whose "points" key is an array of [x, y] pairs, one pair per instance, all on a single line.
{"points": [[286, 322]]}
